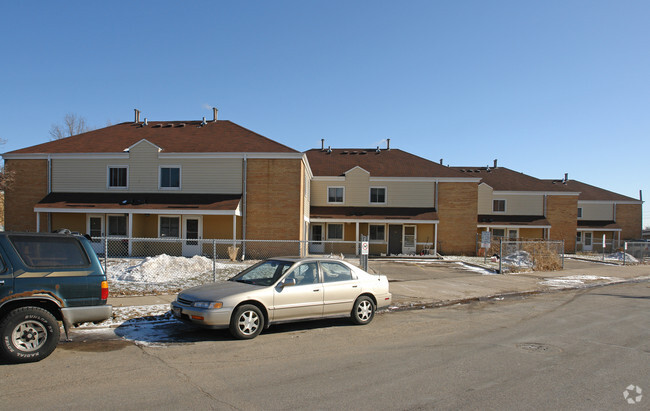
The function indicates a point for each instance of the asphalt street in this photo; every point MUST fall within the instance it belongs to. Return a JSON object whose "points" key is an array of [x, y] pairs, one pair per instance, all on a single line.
{"points": [[578, 349]]}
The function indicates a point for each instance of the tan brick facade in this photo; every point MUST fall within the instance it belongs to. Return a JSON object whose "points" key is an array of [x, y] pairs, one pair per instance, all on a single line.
{"points": [[562, 213], [629, 218], [274, 199], [457, 211], [29, 187]]}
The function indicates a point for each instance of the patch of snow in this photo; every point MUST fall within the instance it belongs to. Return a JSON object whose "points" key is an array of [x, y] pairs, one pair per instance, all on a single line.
{"points": [[574, 281], [482, 271], [518, 259]]}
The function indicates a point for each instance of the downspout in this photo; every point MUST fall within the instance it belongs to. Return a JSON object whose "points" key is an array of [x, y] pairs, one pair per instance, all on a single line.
{"points": [[49, 189], [243, 228]]}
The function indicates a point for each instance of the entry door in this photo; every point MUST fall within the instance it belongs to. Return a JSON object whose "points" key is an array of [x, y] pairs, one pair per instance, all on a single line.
{"points": [[394, 239], [192, 235], [95, 229], [316, 245], [588, 246], [408, 246]]}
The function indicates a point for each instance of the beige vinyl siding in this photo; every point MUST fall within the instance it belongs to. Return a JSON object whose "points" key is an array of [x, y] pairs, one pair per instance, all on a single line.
{"points": [[357, 192], [516, 204], [223, 176], [602, 212]]}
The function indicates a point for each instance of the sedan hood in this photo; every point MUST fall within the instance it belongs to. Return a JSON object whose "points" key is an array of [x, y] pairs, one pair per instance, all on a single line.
{"points": [[217, 291]]}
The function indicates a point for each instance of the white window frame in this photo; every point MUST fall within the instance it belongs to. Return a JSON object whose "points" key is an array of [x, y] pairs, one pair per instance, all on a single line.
{"points": [[505, 205], [370, 195], [335, 202], [180, 224], [180, 177], [327, 231], [108, 177], [377, 240], [107, 225]]}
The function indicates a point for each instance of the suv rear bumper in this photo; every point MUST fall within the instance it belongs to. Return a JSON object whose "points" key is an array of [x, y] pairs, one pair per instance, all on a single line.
{"points": [[76, 315]]}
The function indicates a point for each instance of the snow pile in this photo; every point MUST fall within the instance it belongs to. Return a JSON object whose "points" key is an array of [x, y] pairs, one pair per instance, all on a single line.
{"points": [[518, 259], [620, 256], [574, 281], [165, 274]]}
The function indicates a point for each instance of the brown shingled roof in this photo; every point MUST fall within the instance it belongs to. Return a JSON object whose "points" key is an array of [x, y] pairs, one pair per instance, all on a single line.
{"points": [[593, 193], [222, 136], [386, 163], [504, 179]]}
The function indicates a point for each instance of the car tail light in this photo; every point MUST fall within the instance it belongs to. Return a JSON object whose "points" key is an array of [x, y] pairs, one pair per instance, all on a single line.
{"points": [[104, 295]]}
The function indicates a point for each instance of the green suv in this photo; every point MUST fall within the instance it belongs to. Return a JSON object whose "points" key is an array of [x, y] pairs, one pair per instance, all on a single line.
{"points": [[44, 279]]}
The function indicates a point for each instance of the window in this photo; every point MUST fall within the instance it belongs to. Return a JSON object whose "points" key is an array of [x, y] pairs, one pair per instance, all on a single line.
{"points": [[170, 227], [498, 232], [335, 231], [335, 194], [50, 251], [117, 225], [305, 274], [377, 195], [579, 237], [333, 272], [377, 232], [170, 177], [579, 212], [118, 177], [499, 206]]}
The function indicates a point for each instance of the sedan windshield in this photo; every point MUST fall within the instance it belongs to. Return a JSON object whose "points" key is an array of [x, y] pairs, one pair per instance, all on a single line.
{"points": [[263, 273]]}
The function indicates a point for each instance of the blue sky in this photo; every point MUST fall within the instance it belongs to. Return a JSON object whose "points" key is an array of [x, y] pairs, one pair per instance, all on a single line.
{"points": [[547, 87]]}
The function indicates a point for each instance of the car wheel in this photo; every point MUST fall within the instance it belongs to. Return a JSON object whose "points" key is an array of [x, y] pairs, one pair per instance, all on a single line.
{"points": [[247, 322], [363, 310], [28, 334]]}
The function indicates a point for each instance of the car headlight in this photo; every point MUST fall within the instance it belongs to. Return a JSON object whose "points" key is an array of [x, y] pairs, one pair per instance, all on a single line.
{"points": [[207, 304]]}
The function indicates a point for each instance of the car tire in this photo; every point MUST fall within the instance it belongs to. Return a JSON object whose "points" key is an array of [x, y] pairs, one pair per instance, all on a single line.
{"points": [[247, 322], [28, 334], [363, 310]]}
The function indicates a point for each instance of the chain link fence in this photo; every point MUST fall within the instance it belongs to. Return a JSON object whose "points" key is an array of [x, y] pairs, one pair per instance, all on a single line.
{"points": [[515, 255]]}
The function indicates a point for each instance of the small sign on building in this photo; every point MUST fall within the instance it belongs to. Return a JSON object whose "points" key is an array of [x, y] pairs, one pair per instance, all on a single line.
{"points": [[485, 239]]}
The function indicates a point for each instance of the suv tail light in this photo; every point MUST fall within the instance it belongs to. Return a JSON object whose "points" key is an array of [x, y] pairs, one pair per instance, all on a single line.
{"points": [[104, 290]]}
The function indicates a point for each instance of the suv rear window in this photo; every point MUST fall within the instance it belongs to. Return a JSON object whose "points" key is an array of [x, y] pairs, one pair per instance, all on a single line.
{"points": [[50, 251]]}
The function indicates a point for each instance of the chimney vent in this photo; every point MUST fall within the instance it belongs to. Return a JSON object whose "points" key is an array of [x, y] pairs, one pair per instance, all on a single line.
{"points": [[203, 123], [322, 144], [388, 144], [137, 115], [495, 163], [145, 122], [640, 195], [378, 150], [566, 178], [214, 113], [440, 161], [329, 149]]}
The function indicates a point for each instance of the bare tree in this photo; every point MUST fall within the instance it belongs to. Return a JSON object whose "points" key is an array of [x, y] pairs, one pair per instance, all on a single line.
{"points": [[6, 176], [72, 125]]}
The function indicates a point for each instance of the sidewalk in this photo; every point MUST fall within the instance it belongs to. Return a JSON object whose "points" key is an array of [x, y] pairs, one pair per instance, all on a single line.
{"points": [[413, 284]]}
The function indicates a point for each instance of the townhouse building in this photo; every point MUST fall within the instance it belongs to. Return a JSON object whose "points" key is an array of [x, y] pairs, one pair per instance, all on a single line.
{"points": [[185, 179]]}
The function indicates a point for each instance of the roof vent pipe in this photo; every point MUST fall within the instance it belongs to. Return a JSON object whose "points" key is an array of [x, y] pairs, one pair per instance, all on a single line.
{"points": [[640, 195], [137, 115], [145, 122], [329, 149], [388, 144], [204, 122], [322, 144], [495, 163], [440, 161], [214, 113], [377, 150], [566, 178]]}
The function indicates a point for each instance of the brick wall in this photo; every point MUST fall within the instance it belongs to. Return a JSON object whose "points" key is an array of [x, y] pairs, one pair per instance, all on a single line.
{"points": [[29, 187], [562, 213], [629, 218], [457, 212], [274, 199]]}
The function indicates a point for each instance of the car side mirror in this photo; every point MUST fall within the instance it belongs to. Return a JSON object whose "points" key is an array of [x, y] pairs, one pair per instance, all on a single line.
{"points": [[288, 282]]}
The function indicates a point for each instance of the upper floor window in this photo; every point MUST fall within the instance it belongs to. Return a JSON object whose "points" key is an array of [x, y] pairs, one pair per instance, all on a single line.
{"points": [[118, 176], [377, 195], [499, 206], [170, 177], [335, 194], [579, 212]]}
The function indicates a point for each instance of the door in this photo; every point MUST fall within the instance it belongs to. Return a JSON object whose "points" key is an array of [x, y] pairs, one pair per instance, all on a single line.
{"points": [[316, 245], [303, 300], [192, 235], [394, 239], [95, 229], [408, 246], [588, 243], [340, 289], [6, 277]]}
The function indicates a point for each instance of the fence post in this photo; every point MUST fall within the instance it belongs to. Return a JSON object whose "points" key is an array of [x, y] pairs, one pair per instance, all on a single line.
{"points": [[562, 251], [214, 260], [105, 253], [624, 252], [500, 253]]}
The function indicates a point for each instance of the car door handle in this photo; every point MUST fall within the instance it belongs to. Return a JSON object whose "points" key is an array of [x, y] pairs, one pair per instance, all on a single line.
{"points": [[317, 290], [354, 286]]}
